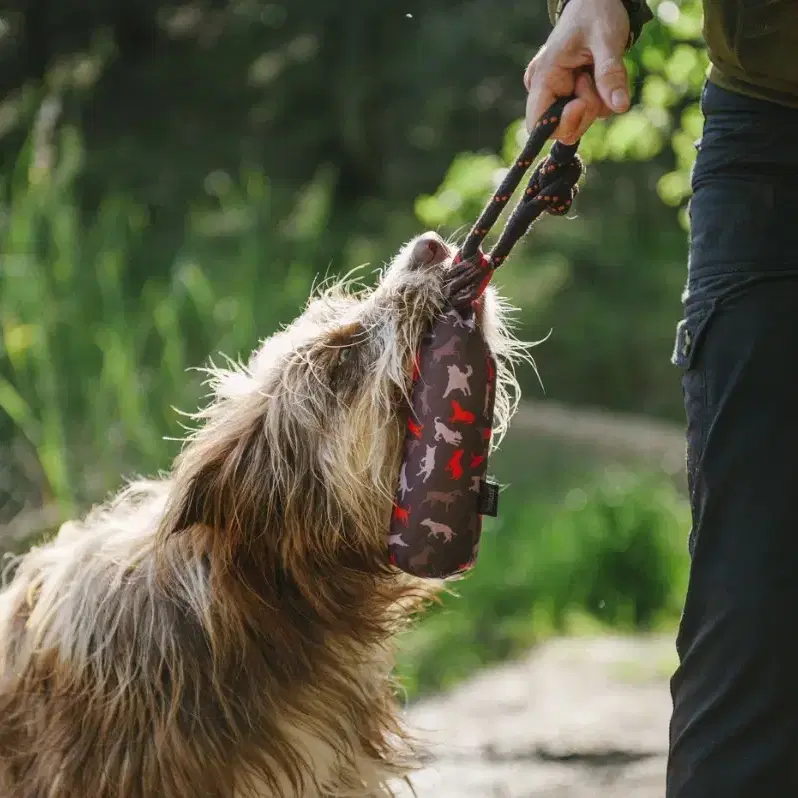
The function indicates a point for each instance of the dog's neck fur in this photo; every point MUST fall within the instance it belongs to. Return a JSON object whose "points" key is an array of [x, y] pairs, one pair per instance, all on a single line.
{"points": [[351, 595]]}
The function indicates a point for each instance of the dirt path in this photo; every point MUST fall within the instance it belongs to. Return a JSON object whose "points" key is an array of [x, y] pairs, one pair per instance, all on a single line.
{"points": [[577, 718], [650, 440]]}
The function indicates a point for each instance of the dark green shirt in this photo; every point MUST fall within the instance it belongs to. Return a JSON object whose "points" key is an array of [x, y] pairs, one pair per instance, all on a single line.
{"points": [[752, 46]]}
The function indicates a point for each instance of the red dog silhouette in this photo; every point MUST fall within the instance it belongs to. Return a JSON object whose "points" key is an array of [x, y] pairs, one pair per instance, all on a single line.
{"points": [[415, 429], [476, 459], [459, 414], [401, 514], [455, 465]]}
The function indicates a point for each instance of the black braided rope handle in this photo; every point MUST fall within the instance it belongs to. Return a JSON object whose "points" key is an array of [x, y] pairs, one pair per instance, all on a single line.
{"points": [[552, 188]]}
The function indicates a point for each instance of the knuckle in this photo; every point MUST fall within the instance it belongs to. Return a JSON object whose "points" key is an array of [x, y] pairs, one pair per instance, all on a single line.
{"points": [[609, 68], [543, 60]]}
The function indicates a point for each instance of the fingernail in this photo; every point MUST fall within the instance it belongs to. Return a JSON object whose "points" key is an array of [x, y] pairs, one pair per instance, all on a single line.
{"points": [[618, 99]]}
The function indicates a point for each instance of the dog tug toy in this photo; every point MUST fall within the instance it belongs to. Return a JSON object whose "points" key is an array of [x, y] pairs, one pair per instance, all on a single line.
{"points": [[443, 489]]}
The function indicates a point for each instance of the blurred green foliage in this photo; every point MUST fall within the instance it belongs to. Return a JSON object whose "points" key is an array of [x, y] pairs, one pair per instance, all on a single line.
{"points": [[92, 375]]}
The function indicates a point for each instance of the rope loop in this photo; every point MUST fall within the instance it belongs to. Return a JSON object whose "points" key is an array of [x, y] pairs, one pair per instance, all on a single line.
{"points": [[552, 188]]}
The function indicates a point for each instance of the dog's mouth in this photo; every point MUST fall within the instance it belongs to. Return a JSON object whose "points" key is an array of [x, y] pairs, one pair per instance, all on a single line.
{"points": [[463, 282]]}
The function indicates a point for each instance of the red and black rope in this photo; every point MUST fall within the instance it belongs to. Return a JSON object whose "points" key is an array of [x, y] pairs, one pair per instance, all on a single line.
{"points": [[551, 188]]}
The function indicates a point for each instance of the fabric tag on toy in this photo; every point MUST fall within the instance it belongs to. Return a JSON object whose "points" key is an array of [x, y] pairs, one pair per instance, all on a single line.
{"points": [[488, 498]]}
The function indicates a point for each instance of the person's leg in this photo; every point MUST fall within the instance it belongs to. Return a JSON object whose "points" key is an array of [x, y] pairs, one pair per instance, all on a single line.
{"points": [[734, 729]]}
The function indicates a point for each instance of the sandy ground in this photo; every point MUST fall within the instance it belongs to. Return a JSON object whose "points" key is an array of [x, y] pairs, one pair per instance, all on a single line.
{"points": [[575, 718]]}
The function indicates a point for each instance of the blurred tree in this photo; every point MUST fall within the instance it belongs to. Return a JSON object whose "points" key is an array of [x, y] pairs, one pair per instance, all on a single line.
{"points": [[167, 93]]}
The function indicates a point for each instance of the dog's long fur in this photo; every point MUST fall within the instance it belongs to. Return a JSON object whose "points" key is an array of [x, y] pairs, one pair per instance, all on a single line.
{"points": [[225, 631]]}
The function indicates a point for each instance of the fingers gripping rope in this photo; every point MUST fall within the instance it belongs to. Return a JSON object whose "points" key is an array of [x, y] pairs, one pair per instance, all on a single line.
{"points": [[551, 188]]}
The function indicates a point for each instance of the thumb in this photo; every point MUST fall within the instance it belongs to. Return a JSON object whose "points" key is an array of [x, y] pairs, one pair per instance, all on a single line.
{"points": [[611, 78]]}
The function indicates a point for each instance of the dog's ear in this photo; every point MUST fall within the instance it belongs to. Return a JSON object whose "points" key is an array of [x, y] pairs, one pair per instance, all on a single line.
{"points": [[254, 471], [223, 483], [340, 355], [248, 476], [341, 343]]}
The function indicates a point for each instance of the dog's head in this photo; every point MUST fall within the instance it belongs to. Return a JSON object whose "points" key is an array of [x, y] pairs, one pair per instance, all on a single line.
{"points": [[298, 451]]}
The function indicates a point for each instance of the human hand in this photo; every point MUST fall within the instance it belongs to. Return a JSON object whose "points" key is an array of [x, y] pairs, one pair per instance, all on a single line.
{"points": [[583, 56]]}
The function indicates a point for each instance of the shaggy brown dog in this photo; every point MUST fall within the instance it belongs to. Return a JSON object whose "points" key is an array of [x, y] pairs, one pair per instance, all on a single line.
{"points": [[226, 631]]}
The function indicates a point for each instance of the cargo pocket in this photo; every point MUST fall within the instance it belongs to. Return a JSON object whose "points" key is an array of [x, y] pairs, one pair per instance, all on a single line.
{"points": [[686, 356]]}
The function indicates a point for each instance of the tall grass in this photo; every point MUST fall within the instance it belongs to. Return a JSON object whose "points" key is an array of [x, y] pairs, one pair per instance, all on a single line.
{"points": [[90, 370]]}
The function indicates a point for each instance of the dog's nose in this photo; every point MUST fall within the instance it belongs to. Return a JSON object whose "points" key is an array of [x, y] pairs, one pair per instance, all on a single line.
{"points": [[430, 250]]}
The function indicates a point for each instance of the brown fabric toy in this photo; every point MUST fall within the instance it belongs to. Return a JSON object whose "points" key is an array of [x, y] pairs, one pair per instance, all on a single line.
{"points": [[443, 489]]}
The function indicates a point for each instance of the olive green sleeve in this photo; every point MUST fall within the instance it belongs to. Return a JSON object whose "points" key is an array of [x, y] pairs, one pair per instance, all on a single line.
{"points": [[638, 10]]}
